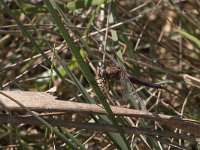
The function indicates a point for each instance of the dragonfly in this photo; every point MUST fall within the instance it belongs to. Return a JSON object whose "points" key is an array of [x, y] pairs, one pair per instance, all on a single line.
{"points": [[127, 79], [114, 73]]}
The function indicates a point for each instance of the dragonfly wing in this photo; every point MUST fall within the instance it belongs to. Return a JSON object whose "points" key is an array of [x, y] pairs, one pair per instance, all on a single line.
{"points": [[123, 85], [130, 92]]}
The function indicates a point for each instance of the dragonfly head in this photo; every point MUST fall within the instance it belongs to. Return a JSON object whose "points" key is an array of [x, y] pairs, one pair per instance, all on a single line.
{"points": [[101, 71]]}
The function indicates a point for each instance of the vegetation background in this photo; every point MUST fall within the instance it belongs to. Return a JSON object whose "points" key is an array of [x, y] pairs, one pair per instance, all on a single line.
{"points": [[57, 46]]}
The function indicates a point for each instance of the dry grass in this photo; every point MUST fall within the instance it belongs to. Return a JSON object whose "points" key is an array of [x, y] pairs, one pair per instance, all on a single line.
{"points": [[157, 41]]}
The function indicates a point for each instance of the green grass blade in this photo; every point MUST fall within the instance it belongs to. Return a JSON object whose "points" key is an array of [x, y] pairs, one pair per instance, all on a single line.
{"points": [[83, 4], [189, 36]]}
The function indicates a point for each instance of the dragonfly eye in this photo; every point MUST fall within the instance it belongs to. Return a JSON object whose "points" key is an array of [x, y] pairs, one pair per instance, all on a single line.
{"points": [[102, 72]]}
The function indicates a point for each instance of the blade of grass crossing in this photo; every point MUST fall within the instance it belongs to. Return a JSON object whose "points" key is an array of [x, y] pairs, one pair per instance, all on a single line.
{"points": [[73, 78], [84, 67]]}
